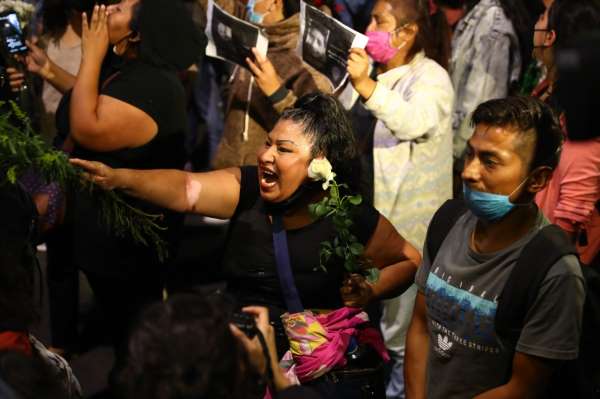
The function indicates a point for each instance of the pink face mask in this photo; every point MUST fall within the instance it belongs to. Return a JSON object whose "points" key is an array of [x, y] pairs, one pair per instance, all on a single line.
{"points": [[379, 47]]}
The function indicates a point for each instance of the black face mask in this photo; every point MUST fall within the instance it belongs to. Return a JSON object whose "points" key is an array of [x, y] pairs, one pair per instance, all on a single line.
{"points": [[295, 199], [80, 5]]}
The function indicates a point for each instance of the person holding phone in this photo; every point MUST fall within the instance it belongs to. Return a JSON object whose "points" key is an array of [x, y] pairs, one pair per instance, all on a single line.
{"points": [[55, 57]]}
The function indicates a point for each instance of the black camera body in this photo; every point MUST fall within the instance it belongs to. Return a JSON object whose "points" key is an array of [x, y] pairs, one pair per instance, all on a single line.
{"points": [[245, 322]]}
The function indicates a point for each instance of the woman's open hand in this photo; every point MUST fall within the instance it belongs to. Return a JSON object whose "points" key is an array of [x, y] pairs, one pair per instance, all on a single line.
{"points": [[356, 291], [358, 72], [97, 172], [264, 72], [94, 36]]}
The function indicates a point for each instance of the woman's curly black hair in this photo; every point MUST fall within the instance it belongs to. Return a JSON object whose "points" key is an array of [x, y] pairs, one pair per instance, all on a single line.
{"points": [[183, 348]]}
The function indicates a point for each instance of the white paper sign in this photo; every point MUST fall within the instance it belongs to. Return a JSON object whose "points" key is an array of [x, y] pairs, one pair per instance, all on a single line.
{"points": [[231, 38], [326, 42]]}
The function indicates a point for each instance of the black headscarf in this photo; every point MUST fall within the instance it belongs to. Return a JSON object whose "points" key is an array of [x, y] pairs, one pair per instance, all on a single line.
{"points": [[169, 38]]}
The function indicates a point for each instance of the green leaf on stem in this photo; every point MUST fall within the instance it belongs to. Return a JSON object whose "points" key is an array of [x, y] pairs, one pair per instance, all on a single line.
{"points": [[355, 199], [350, 265], [321, 210], [11, 174], [372, 275], [356, 248]]}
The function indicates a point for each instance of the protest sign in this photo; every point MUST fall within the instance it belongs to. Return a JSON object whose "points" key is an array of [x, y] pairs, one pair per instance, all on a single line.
{"points": [[231, 38], [325, 44]]}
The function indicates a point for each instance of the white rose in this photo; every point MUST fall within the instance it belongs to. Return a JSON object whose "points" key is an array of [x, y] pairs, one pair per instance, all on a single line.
{"points": [[328, 180], [320, 169]]}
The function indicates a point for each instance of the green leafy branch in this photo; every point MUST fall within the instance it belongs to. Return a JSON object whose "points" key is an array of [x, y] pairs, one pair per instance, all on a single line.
{"points": [[22, 150], [345, 246]]}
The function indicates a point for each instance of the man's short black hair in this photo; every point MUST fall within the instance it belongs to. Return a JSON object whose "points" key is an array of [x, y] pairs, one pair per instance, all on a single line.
{"points": [[530, 118]]}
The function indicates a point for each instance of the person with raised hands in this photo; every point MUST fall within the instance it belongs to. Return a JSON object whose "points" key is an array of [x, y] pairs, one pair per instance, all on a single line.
{"points": [[131, 115]]}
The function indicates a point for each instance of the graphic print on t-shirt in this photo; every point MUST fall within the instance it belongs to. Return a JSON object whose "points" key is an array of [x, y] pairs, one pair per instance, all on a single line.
{"points": [[459, 318]]}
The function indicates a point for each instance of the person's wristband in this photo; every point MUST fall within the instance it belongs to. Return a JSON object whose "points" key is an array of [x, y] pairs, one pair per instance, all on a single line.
{"points": [[279, 94], [46, 71]]}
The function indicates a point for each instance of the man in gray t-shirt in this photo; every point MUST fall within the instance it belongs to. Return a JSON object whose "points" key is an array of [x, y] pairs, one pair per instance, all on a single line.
{"points": [[453, 350]]}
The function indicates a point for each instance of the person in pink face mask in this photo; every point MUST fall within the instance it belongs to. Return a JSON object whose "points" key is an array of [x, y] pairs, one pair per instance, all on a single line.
{"points": [[401, 100]]}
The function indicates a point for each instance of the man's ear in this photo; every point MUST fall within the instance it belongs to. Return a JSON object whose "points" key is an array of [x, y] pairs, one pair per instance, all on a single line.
{"points": [[539, 179], [549, 38]]}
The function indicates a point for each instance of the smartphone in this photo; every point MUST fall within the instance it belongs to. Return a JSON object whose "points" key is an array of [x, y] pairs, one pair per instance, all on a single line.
{"points": [[12, 35]]}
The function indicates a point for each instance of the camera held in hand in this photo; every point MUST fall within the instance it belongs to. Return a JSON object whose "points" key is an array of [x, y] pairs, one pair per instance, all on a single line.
{"points": [[244, 322]]}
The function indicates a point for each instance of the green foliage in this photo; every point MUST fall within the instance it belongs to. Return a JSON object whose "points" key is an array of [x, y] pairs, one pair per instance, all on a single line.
{"points": [[345, 246], [22, 150]]}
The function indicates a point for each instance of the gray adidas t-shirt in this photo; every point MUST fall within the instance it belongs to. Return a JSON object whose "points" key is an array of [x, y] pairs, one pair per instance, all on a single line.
{"points": [[461, 288]]}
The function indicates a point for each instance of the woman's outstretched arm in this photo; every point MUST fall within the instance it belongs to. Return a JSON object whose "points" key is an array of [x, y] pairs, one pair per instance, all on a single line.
{"points": [[215, 194]]}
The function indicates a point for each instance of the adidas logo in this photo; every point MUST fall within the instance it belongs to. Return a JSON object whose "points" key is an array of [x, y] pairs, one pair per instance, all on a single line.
{"points": [[443, 343]]}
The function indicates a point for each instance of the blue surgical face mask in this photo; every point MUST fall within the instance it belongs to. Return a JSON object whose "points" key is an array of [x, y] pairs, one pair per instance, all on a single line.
{"points": [[253, 16], [487, 206]]}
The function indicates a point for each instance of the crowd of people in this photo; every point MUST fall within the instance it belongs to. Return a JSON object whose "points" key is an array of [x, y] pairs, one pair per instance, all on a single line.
{"points": [[431, 229]]}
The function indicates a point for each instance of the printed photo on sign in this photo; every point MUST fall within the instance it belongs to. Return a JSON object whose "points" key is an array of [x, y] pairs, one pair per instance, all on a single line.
{"points": [[326, 44], [230, 38]]}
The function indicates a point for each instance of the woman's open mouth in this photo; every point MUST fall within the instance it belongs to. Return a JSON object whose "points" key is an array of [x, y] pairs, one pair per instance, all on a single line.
{"points": [[268, 178]]}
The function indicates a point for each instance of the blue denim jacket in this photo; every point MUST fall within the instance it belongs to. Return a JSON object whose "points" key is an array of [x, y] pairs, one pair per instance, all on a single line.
{"points": [[485, 61]]}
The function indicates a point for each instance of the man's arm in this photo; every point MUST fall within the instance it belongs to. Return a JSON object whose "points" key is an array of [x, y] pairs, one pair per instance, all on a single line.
{"points": [[417, 351], [530, 375]]}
